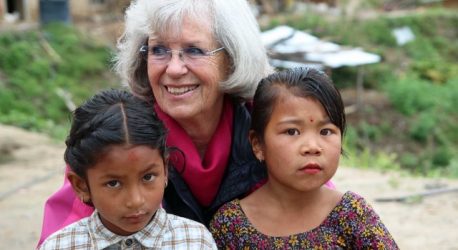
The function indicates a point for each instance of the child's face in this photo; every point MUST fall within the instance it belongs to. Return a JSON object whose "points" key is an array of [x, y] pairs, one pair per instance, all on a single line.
{"points": [[126, 186], [301, 146]]}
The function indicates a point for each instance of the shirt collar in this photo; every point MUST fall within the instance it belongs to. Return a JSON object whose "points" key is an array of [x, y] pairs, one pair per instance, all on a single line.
{"points": [[150, 236]]}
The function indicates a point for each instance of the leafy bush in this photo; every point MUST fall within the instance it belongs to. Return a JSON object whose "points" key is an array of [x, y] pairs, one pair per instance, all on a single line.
{"points": [[409, 161], [411, 95], [442, 157], [423, 128], [370, 131], [370, 159], [38, 63]]}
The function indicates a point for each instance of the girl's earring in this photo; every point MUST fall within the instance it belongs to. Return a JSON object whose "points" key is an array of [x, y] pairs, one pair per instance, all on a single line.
{"points": [[166, 184], [82, 198]]}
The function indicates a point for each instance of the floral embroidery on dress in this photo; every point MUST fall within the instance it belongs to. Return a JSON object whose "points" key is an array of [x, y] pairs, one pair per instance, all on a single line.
{"points": [[352, 224]]}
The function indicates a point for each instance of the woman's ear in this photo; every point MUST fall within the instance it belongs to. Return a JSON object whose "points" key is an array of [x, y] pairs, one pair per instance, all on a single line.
{"points": [[80, 186], [257, 146]]}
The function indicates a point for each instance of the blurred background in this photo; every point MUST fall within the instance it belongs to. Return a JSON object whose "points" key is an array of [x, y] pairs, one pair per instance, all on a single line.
{"points": [[395, 63]]}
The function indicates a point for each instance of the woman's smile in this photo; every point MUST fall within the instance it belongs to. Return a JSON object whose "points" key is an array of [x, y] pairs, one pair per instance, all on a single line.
{"points": [[180, 90]]}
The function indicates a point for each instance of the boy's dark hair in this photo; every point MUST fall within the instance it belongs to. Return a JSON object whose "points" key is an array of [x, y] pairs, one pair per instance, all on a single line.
{"points": [[109, 118], [301, 82]]}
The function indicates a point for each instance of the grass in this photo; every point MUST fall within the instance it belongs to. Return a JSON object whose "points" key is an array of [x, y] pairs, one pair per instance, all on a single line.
{"points": [[46, 69]]}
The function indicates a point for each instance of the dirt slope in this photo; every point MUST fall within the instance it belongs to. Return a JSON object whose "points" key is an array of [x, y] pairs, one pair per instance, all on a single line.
{"points": [[31, 169]]}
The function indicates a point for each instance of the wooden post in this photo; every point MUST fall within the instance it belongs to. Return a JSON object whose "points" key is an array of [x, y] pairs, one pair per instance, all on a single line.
{"points": [[360, 88]]}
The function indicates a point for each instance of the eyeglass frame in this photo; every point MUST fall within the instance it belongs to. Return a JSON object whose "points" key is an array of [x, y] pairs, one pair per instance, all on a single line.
{"points": [[181, 54]]}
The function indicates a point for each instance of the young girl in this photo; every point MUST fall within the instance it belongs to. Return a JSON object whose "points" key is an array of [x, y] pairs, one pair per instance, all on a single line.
{"points": [[117, 155], [297, 128]]}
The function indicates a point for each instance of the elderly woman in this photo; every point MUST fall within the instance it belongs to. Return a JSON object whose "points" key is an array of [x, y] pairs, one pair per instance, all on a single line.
{"points": [[198, 61]]}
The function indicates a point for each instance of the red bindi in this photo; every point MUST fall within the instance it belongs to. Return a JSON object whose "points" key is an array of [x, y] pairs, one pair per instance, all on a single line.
{"points": [[132, 156], [311, 120]]}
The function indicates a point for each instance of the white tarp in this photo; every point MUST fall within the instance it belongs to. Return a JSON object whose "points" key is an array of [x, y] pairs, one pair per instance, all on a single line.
{"points": [[351, 57], [403, 35], [286, 40]]}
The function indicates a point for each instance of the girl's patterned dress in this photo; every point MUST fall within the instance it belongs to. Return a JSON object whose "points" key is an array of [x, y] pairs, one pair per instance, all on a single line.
{"points": [[352, 224]]}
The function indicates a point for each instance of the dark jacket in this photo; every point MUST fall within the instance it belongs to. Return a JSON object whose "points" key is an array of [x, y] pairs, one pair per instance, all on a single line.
{"points": [[242, 174]]}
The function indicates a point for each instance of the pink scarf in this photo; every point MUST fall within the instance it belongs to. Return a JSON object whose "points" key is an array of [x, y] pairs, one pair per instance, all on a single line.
{"points": [[202, 176]]}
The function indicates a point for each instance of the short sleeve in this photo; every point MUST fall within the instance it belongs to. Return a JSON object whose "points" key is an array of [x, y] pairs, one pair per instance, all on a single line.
{"points": [[224, 224], [365, 227]]}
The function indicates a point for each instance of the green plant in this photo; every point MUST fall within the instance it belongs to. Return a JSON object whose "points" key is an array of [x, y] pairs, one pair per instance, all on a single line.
{"points": [[39, 63], [451, 170], [423, 127], [409, 161], [367, 158], [370, 131], [411, 95], [442, 157]]}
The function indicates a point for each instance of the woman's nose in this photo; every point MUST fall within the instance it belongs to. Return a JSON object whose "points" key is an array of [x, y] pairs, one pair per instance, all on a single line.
{"points": [[176, 66]]}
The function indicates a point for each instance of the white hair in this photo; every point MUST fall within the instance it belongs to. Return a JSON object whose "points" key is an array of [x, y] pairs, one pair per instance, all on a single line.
{"points": [[234, 27]]}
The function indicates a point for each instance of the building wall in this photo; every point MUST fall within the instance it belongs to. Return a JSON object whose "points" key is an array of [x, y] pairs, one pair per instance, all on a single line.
{"points": [[28, 11], [80, 9], [2, 9], [451, 3], [32, 9]]}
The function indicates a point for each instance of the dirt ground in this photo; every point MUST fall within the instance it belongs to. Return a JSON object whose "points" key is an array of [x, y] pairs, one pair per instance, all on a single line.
{"points": [[31, 169]]}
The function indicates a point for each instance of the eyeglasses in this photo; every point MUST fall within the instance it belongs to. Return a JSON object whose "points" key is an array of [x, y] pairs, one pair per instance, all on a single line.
{"points": [[191, 56]]}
